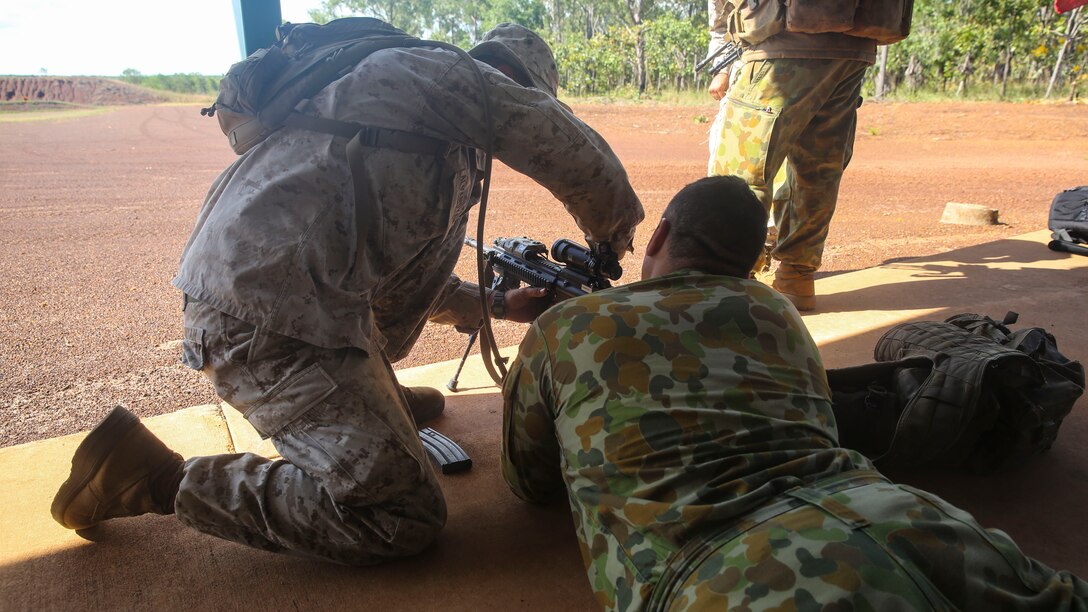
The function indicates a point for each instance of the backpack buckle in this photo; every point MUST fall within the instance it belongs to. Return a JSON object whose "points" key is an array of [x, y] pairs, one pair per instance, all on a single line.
{"points": [[368, 137]]}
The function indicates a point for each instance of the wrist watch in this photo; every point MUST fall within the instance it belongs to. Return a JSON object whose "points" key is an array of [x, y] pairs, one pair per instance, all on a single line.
{"points": [[498, 304]]}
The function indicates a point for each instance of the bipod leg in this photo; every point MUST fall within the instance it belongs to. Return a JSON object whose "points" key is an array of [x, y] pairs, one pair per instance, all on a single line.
{"points": [[452, 384]]}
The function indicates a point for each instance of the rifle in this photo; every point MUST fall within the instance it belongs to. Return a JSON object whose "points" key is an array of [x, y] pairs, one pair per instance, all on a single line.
{"points": [[575, 271], [731, 51]]}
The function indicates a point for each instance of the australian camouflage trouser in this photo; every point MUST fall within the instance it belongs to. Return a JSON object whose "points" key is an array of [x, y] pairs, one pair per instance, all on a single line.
{"points": [[858, 542], [354, 485], [801, 109]]}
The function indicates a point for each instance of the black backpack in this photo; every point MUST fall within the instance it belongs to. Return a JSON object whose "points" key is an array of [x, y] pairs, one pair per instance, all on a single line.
{"points": [[259, 94], [1069, 221], [967, 392]]}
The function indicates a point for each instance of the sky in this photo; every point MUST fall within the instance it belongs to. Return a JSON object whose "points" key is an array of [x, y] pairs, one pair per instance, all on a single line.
{"points": [[106, 37]]}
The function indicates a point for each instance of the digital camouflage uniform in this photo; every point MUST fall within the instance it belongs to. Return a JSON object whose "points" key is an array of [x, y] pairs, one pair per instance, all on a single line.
{"points": [[687, 419], [301, 292], [796, 96]]}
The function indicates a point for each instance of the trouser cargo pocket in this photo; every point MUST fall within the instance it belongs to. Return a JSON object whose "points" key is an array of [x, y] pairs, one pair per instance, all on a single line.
{"points": [[289, 400], [192, 348]]}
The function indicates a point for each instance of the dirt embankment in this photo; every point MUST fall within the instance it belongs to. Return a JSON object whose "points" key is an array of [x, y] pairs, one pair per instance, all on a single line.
{"points": [[94, 91]]}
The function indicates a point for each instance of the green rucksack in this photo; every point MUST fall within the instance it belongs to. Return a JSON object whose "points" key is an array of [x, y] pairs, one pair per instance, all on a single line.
{"points": [[260, 94]]}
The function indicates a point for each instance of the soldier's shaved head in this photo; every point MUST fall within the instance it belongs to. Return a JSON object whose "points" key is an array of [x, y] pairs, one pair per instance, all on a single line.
{"points": [[717, 225]]}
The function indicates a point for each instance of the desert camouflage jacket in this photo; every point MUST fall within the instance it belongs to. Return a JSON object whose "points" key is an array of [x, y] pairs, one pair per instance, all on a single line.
{"points": [[284, 241], [662, 408]]}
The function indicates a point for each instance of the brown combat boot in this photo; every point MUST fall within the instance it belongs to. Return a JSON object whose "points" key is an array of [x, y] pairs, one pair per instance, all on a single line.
{"points": [[799, 287], [120, 469], [425, 403]]}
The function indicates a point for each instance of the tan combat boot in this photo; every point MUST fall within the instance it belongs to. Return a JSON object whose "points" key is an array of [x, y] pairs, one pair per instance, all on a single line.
{"points": [[799, 287], [425, 403], [120, 469]]}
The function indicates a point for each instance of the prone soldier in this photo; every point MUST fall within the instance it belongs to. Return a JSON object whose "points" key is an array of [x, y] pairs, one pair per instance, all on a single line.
{"points": [[687, 421]]}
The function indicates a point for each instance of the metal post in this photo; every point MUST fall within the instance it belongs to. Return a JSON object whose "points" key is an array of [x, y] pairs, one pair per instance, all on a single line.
{"points": [[257, 21]]}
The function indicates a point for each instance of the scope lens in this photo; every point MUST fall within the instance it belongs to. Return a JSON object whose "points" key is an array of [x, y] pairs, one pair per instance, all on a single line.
{"points": [[571, 253]]}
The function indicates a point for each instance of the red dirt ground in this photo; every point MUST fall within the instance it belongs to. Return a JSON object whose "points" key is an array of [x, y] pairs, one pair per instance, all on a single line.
{"points": [[94, 213]]}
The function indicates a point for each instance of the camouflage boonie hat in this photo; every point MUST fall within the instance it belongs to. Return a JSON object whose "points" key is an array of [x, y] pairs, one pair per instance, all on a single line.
{"points": [[524, 50]]}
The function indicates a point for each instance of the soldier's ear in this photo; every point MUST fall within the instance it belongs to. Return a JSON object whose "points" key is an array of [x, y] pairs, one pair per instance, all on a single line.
{"points": [[659, 237], [514, 74]]}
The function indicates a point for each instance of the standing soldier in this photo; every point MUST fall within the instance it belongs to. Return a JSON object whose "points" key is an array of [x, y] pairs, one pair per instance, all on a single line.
{"points": [[796, 97], [305, 277]]}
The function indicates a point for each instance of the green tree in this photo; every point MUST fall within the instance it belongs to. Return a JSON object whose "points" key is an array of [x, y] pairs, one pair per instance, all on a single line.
{"points": [[966, 47], [412, 16]]}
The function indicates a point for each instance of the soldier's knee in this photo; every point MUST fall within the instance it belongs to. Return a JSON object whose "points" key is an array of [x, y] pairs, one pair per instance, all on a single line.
{"points": [[393, 532], [418, 531]]}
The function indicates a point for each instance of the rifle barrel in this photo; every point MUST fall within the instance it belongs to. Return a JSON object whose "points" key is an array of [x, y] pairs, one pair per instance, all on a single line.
{"points": [[729, 58], [713, 55]]}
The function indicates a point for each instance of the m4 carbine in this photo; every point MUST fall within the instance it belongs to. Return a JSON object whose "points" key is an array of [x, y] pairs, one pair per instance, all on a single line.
{"points": [[575, 271], [722, 57]]}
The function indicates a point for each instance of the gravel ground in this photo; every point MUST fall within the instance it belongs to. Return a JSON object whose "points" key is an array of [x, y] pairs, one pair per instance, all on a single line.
{"points": [[94, 212]]}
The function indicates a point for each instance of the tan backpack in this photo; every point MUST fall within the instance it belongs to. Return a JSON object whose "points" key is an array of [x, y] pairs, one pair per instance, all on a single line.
{"points": [[259, 94], [885, 21]]}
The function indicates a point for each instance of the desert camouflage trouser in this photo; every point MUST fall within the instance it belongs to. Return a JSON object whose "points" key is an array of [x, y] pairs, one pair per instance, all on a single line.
{"points": [[858, 542], [801, 109], [354, 486]]}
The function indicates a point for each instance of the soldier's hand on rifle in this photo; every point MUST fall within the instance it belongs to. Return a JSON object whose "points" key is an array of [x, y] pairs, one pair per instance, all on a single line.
{"points": [[719, 85], [525, 304]]}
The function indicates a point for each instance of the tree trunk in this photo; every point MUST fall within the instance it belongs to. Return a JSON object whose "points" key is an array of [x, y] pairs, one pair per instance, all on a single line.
{"points": [[966, 68], [634, 9], [1007, 70], [1071, 28], [882, 73], [914, 73], [640, 57], [556, 11]]}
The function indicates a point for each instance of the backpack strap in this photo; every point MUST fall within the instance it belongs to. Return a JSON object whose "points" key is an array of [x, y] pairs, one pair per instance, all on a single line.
{"points": [[371, 136], [369, 226]]}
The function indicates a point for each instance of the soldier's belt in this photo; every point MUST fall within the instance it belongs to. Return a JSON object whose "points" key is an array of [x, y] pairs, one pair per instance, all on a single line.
{"points": [[690, 556]]}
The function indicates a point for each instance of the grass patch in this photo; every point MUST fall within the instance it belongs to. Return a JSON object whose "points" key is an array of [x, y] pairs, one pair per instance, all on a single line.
{"points": [[1019, 93], [630, 96]]}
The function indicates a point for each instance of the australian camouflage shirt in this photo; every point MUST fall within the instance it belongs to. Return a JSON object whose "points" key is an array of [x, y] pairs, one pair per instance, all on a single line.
{"points": [[284, 241], [663, 408]]}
